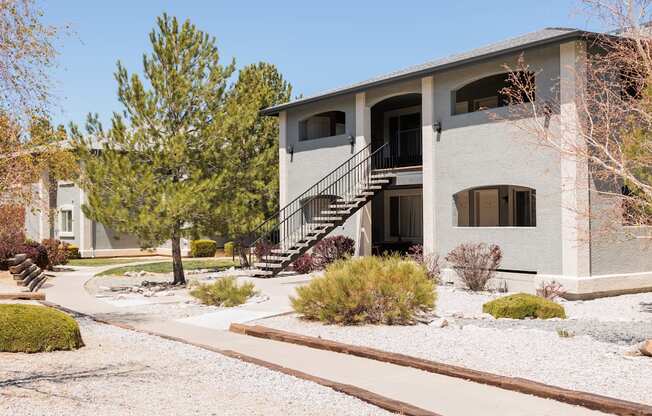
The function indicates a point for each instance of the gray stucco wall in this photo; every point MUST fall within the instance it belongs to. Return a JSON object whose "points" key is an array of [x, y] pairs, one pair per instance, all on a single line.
{"points": [[476, 149], [313, 159], [615, 248], [473, 149]]}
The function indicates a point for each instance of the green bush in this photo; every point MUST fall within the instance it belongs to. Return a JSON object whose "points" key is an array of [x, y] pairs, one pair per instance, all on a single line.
{"points": [[203, 248], [73, 251], [523, 305], [229, 247], [377, 290], [224, 292], [32, 328]]}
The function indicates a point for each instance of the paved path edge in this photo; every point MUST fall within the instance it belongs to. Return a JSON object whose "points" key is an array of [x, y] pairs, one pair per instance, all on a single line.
{"points": [[589, 400], [394, 406]]}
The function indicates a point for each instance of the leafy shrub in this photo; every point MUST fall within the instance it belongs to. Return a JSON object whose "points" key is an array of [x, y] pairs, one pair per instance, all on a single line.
{"points": [[37, 252], [304, 264], [430, 262], [262, 248], [229, 248], [550, 290], [377, 290], [73, 251], [12, 236], [224, 292], [331, 249], [57, 252], [203, 248], [523, 305], [475, 263], [32, 328]]}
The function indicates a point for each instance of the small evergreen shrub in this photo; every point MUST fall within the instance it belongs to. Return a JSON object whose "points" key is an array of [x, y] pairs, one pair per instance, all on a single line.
{"points": [[203, 248], [523, 305], [224, 292], [32, 328], [331, 249], [430, 262], [57, 252], [475, 263], [73, 251], [229, 248], [374, 290], [304, 264]]}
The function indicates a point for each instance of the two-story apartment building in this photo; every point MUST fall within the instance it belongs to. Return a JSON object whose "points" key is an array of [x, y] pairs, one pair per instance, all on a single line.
{"points": [[432, 159]]}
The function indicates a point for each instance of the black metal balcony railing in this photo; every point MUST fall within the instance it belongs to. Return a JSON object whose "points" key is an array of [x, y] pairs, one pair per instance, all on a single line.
{"points": [[403, 153], [295, 221]]}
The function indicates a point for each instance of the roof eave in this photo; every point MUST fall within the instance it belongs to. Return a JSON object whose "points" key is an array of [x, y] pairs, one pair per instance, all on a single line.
{"points": [[274, 111]]}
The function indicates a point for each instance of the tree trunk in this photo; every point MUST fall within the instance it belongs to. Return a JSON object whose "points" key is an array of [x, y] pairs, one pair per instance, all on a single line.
{"points": [[177, 265], [243, 252]]}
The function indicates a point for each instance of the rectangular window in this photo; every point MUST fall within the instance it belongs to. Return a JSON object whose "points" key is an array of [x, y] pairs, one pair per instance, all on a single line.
{"points": [[406, 217], [66, 223]]}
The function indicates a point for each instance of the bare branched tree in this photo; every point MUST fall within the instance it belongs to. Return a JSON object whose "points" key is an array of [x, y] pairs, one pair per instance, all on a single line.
{"points": [[613, 133]]}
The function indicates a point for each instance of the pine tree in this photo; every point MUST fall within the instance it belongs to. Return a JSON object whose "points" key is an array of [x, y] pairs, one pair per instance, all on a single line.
{"points": [[250, 155], [160, 166]]}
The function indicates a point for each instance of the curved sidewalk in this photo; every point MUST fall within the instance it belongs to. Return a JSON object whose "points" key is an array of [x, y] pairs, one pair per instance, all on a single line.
{"points": [[437, 393]]}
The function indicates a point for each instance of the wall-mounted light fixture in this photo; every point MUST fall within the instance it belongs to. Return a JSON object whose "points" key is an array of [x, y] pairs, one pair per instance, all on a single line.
{"points": [[351, 142], [291, 149], [437, 126]]}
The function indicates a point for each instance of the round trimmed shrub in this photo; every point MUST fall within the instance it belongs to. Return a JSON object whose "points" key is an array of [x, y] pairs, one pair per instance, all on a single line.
{"points": [[229, 248], [32, 328], [523, 305], [203, 248], [375, 290]]}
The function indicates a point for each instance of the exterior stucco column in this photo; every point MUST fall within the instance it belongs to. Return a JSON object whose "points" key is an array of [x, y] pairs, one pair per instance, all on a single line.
{"points": [[283, 158], [362, 139], [85, 229], [575, 231], [428, 137], [43, 206]]}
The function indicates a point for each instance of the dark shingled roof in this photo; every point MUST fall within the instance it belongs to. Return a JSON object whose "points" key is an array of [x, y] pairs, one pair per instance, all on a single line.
{"points": [[540, 37]]}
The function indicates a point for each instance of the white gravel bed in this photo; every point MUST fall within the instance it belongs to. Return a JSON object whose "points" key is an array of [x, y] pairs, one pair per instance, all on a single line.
{"points": [[636, 307], [579, 363], [121, 372]]}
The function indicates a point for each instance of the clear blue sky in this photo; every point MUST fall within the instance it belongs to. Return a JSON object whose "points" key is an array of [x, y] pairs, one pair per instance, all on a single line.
{"points": [[316, 45]]}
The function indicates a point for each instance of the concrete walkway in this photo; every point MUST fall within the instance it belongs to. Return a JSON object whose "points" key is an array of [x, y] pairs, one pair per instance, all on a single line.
{"points": [[444, 395]]}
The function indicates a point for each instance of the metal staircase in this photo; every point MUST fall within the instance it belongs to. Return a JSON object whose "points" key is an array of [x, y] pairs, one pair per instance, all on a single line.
{"points": [[311, 216]]}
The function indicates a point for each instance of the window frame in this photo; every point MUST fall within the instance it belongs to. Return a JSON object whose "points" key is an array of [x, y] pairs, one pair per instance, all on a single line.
{"points": [[507, 210], [387, 233], [471, 104], [302, 133], [63, 213]]}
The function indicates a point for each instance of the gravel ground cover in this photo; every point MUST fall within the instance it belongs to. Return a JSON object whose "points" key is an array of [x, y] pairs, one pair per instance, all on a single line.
{"points": [[122, 372], [530, 349]]}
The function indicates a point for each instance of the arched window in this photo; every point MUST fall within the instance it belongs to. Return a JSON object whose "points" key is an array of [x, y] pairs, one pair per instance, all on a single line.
{"points": [[486, 93], [495, 206], [330, 123]]}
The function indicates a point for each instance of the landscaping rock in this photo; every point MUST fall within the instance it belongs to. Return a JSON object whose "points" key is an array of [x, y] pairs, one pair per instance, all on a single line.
{"points": [[439, 323], [646, 348]]}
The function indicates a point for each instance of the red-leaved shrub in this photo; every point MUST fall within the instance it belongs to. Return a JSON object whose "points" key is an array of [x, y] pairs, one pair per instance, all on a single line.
{"points": [[475, 263], [304, 264], [12, 235], [263, 248], [57, 252], [331, 249], [37, 252]]}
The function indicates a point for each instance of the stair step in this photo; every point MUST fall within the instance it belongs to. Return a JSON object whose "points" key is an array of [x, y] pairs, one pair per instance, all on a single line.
{"points": [[258, 272], [381, 181], [373, 187], [366, 193], [276, 258], [268, 265], [338, 212], [288, 252], [38, 285], [327, 219]]}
